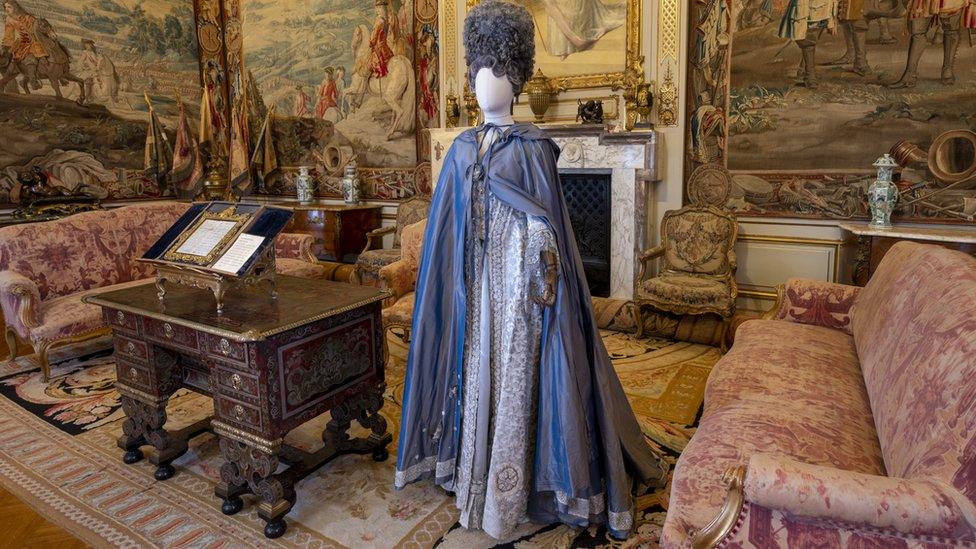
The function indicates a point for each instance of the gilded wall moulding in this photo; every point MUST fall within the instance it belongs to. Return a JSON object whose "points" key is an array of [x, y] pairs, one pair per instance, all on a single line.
{"points": [[668, 54]]}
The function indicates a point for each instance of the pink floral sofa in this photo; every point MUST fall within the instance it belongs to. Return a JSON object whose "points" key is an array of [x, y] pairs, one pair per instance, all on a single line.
{"points": [[47, 268], [847, 419]]}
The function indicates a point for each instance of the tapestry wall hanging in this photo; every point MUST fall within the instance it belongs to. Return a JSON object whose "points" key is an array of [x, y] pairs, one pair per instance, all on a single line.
{"points": [[345, 80], [75, 78], [799, 97]]}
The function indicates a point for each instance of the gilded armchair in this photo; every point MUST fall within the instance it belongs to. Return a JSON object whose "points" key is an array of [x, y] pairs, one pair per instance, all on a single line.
{"points": [[697, 274], [374, 256]]}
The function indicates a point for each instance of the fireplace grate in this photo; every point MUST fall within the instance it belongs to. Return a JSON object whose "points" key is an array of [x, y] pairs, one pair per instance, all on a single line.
{"points": [[587, 196]]}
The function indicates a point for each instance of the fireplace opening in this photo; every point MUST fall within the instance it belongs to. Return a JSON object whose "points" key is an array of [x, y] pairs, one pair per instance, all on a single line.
{"points": [[587, 194]]}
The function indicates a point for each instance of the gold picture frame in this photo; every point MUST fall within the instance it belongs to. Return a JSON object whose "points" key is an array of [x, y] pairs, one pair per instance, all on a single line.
{"points": [[633, 71], [228, 214]]}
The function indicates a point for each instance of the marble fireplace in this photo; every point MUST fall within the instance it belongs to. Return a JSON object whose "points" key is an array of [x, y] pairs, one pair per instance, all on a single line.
{"points": [[591, 155]]}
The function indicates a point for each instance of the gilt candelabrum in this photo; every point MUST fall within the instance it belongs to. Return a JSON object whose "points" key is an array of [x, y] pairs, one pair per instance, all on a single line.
{"points": [[471, 108], [453, 110]]}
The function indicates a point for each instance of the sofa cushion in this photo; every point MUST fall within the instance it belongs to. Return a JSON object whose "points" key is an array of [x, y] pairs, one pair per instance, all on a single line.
{"points": [[688, 290], [782, 360], [784, 389], [67, 316], [915, 328]]}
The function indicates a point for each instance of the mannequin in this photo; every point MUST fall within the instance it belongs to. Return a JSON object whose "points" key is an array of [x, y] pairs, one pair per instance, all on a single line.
{"points": [[495, 97], [510, 400]]}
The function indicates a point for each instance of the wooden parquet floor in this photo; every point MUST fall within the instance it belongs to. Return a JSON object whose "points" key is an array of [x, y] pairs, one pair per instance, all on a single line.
{"points": [[20, 525]]}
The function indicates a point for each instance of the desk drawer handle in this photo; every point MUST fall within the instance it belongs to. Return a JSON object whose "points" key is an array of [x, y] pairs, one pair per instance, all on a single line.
{"points": [[130, 348], [239, 412], [168, 330], [120, 317], [224, 346], [133, 373], [236, 381]]}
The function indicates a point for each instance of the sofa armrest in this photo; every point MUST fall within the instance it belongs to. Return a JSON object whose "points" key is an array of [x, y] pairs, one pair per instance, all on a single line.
{"points": [[20, 301], [400, 277], [295, 246], [857, 500], [815, 302], [834, 499]]}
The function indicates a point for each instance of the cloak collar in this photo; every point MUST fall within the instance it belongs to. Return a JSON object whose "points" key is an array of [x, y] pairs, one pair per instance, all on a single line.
{"points": [[521, 130]]}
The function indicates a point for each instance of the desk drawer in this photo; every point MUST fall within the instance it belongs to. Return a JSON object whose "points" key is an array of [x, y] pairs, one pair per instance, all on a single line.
{"points": [[235, 382], [131, 348], [121, 321], [238, 413], [223, 348], [171, 333], [133, 374]]}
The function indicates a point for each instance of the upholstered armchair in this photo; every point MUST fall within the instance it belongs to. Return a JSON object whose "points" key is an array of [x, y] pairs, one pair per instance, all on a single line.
{"points": [[400, 277], [374, 256], [697, 274]]}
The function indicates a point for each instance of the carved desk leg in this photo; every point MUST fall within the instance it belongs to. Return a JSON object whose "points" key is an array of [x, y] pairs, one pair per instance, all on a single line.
{"points": [[364, 408], [250, 465], [144, 391], [145, 417]]}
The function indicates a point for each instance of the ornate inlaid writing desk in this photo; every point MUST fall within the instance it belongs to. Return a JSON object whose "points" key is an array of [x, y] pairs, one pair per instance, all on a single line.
{"points": [[269, 364]]}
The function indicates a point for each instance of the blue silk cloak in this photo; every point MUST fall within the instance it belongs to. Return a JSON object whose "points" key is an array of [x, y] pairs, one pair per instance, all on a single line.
{"points": [[588, 443]]}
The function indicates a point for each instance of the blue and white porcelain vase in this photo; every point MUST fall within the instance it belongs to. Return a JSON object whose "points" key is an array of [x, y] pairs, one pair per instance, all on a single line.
{"points": [[350, 184], [303, 186], [883, 193]]}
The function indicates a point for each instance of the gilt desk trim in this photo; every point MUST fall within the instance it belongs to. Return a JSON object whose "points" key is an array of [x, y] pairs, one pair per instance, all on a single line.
{"points": [[150, 306]]}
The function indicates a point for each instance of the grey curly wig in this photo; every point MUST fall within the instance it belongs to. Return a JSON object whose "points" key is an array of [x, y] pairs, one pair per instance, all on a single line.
{"points": [[500, 36]]}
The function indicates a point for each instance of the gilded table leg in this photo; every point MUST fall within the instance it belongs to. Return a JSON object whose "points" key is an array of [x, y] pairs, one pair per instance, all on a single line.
{"points": [[144, 425], [251, 468]]}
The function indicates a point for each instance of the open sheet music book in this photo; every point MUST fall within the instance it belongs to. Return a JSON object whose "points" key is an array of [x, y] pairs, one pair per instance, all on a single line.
{"points": [[224, 237]]}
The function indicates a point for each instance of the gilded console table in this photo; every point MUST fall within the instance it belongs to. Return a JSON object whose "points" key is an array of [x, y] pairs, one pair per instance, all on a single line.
{"points": [[874, 243], [270, 365]]}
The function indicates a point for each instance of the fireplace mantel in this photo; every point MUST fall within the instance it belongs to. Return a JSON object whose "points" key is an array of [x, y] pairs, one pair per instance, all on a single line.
{"points": [[630, 157]]}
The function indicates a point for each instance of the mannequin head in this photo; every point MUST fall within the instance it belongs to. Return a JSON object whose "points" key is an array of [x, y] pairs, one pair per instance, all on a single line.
{"points": [[495, 96], [499, 47]]}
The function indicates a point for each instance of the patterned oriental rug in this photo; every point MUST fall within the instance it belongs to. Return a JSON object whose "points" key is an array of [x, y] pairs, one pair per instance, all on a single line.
{"points": [[58, 453]]}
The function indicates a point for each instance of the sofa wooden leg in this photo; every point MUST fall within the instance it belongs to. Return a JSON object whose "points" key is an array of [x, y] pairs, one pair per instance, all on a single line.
{"points": [[42, 349], [11, 343]]}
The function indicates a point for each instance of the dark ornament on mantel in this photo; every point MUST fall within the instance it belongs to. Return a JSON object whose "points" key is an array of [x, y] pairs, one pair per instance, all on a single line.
{"points": [[589, 112]]}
